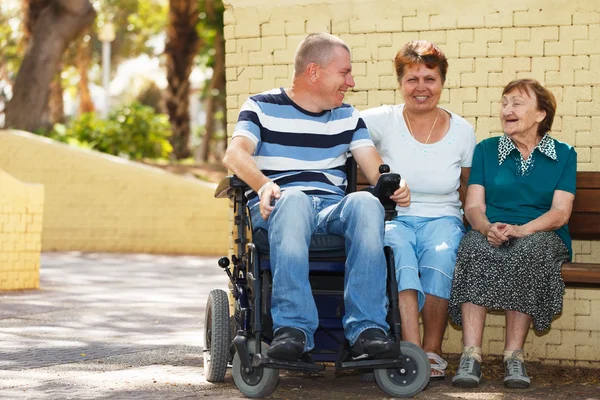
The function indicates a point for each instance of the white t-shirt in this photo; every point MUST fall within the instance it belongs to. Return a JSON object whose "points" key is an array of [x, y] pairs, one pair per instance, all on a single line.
{"points": [[432, 171]]}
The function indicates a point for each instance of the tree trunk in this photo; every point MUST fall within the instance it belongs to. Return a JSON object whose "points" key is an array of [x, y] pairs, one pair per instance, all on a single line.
{"points": [[32, 10], [181, 48], [57, 25], [56, 103], [83, 61], [216, 92], [209, 128]]}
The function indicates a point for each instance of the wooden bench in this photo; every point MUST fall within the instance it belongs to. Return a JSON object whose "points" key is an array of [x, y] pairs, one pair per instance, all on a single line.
{"points": [[583, 225]]}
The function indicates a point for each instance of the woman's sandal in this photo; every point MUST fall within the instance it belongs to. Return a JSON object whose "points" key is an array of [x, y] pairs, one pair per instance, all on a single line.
{"points": [[437, 364]]}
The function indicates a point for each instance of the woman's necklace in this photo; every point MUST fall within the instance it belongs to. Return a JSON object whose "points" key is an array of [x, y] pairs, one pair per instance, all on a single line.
{"points": [[430, 131]]}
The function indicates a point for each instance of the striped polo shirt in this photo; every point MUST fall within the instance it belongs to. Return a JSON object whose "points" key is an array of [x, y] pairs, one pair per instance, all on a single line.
{"points": [[300, 149]]}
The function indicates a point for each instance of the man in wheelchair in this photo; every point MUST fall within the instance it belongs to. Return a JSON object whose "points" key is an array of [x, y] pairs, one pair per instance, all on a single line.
{"points": [[290, 146]]}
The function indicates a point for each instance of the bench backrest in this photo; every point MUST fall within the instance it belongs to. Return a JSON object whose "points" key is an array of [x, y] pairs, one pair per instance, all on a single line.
{"points": [[585, 218]]}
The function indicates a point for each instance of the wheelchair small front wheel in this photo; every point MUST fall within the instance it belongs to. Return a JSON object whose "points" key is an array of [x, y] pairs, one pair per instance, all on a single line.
{"points": [[260, 382], [216, 336], [411, 378]]}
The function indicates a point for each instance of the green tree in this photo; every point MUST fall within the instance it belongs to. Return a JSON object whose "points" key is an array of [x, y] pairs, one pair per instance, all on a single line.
{"points": [[54, 110], [180, 50], [10, 50], [57, 25], [210, 29], [135, 22]]}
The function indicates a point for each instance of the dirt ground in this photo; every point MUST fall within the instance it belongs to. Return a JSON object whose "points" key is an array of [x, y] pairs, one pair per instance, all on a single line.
{"points": [[548, 382]]}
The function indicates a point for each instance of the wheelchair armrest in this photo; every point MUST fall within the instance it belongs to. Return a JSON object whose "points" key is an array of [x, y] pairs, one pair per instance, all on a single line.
{"points": [[229, 186]]}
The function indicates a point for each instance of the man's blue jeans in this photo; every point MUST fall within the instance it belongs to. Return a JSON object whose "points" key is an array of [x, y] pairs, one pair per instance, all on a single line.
{"points": [[358, 217]]}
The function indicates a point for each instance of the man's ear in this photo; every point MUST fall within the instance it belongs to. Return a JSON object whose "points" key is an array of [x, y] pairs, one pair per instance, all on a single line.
{"points": [[312, 71]]}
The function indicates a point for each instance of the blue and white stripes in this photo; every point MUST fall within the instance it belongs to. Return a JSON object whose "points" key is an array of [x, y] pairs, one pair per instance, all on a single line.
{"points": [[300, 149]]}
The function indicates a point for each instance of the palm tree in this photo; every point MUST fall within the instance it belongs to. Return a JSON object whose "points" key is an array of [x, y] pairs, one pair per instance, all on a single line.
{"points": [[181, 48], [83, 59], [215, 93]]}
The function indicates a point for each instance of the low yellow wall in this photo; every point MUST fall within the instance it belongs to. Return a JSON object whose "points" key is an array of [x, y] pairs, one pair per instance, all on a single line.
{"points": [[96, 202], [21, 210]]}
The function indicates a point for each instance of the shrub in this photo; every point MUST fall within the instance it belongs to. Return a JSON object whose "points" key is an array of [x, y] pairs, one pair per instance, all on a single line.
{"points": [[134, 131]]}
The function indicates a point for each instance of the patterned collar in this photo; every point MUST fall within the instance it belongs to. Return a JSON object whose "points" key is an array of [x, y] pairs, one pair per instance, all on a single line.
{"points": [[545, 146]]}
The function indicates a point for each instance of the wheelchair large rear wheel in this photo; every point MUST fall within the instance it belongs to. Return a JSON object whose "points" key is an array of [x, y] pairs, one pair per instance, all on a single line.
{"points": [[261, 382], [409, 380], [216, 336]]}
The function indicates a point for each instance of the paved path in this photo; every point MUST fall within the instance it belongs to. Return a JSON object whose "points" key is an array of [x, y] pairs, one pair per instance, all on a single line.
{"points": [[110, 326]]}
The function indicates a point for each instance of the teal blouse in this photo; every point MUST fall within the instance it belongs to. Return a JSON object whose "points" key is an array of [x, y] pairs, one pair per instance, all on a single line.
{"points": [[518, 191]]}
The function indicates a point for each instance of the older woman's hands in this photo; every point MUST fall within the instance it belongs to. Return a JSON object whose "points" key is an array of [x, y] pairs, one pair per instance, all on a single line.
{"points": [[402, 195], [515, 231], [496, 234]]}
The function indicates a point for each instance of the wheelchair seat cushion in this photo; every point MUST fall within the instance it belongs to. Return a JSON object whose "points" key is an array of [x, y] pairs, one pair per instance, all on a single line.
{"points": [[321, 246]]}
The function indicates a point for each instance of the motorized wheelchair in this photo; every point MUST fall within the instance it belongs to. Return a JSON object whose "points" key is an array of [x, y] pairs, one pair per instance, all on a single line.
{"points": [[250, 324]]}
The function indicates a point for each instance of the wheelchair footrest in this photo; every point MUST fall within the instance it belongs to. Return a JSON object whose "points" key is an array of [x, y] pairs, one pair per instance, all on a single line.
{"points": [[259, 360], [371, 364]]}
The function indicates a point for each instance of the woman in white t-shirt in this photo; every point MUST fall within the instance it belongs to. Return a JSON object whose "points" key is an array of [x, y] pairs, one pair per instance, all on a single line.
{"points": [[431, 148]]}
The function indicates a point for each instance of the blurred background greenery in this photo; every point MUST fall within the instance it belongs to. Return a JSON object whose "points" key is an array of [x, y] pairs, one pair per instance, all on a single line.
{"points": [[164, 100]]}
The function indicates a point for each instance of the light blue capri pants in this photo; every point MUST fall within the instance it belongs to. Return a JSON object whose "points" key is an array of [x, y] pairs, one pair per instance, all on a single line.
{"points": [[425, 253]]}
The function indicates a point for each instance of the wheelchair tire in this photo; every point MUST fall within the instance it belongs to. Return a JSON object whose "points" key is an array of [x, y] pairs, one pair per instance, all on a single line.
{"points": [[261, 382], [409, 380], [216, 336]]}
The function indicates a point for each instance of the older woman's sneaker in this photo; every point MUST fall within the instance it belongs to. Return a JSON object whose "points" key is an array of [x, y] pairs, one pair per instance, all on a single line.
{"points": [[515, 375], [468, 374]]}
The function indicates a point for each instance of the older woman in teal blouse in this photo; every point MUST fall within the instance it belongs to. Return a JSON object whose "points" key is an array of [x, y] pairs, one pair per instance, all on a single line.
{"points": [[519, 200]]}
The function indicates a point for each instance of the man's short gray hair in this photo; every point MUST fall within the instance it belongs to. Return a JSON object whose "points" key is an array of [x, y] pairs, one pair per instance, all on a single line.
{"points": [[316, 48]]}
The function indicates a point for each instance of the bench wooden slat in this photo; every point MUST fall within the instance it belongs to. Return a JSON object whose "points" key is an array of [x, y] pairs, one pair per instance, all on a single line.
{"points": [[587, 200], [584, 226], [581, 273], [588, 180]]}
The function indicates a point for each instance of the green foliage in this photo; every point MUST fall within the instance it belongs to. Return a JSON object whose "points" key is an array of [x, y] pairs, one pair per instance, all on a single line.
{"points": [[10, 35], [210, 22], [135, 131], [11, 54], [135, 22]]}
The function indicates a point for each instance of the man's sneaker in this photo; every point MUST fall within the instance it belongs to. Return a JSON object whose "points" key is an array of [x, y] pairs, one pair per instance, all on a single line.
{"points": [[468, 374], [288, 344], [515, 376], [374, 344]]}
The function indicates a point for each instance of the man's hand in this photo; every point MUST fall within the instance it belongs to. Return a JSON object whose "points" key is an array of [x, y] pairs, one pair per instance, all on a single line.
{"points": [[496, 234], [402, 195], [267, 198]]}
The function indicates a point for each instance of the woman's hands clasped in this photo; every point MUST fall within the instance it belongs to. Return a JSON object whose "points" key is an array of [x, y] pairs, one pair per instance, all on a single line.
{"points": [[499, 233]]}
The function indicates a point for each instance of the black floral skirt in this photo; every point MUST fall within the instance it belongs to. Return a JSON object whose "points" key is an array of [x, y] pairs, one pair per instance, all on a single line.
{"points": [[521, 275]]}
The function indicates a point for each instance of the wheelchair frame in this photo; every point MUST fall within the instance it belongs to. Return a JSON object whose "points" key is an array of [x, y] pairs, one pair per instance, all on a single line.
{"points": [[251, 366]]}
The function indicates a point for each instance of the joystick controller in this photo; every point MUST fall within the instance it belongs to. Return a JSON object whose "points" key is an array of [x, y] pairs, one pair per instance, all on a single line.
{"points": [[387, 184]]}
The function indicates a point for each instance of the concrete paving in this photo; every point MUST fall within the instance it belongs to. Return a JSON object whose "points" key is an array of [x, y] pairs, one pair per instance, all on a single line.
{"points": [[113, 326]]}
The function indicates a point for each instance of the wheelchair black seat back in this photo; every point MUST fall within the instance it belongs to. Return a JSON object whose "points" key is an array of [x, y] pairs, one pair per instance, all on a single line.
{"points": [[240, 338]]}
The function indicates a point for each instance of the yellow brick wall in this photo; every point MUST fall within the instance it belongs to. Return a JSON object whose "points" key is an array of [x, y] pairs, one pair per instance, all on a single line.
{"points": [[487, 44], [96, 202], [21, 211]]}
